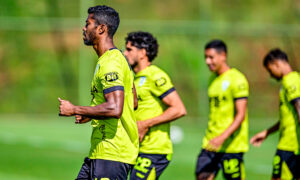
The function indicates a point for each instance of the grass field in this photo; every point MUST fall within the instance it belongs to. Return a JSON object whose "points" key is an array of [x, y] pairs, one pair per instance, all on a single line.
{"points": [[49, 147]]}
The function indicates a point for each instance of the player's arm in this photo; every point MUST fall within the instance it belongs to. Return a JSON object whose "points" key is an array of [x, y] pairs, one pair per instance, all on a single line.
{"points": [[258, 138], [135, 100], [240, 109], [113, 107], [175, 110], [296, 103]]}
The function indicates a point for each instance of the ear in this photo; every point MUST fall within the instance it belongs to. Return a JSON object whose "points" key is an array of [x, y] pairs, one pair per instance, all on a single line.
{"points": [[224, 56], [102, 28], [143, 52]]}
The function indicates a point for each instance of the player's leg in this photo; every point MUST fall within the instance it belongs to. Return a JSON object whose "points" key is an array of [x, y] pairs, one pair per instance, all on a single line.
{"points": [[284, 165], [149, 166], [106, 169], [85, 171], [233, 166], [207, 165]]}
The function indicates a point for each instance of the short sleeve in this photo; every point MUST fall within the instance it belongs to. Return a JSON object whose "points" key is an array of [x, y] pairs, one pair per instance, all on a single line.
{"points": [[292, 89], [161, 85], [111, 76], [240, 88]]}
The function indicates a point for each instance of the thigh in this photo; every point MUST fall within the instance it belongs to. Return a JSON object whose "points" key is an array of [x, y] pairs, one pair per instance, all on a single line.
{"points": [[106, 169], [233, 166], [284, 165], [149, 166], [207, 164], [85, 171]]}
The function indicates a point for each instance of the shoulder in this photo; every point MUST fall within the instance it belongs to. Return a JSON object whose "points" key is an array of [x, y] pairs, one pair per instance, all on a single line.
{"points": [[237, 76], [291, 79], [113, 57], [156, 72]]}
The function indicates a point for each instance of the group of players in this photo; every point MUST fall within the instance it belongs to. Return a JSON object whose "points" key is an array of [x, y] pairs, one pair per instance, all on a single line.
{"points": [[133, 103]]}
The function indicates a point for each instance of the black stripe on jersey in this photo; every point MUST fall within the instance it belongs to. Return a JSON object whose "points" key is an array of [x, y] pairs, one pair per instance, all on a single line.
{"points": [[240, 98], [294, 100], [114, 88], [166, 93]]}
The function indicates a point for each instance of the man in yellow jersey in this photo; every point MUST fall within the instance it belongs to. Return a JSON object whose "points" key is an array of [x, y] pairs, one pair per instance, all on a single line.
{"points": [[114, 140], [226, 138], [285, 165], [159, 104]]}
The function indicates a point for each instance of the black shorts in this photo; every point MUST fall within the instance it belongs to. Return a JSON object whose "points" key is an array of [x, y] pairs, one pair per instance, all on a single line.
{"points": [[99, 168], [149, 166], [285, 165], [231, 164]]}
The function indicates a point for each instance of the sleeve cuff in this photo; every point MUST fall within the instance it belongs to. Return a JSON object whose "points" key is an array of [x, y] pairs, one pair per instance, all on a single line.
{"points": [[246, 97], [166, 93], [294, 100], [114, 88]]}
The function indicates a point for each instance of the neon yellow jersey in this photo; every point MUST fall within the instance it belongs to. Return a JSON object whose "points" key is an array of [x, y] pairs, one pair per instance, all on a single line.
{"points": [[222, 92], [289, 127], [152, 85], [114, 139]]}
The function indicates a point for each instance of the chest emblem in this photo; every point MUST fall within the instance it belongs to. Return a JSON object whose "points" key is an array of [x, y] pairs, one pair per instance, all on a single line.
{"points": [[142, 81], [225, 85]]}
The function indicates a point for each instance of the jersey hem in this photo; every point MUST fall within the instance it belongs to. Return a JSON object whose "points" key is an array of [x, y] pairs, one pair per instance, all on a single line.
{"points": [[112, 159], [114, 88]]}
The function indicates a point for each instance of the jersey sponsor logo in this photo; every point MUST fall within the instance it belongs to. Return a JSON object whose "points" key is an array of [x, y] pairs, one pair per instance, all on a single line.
{"points": [[242, 87], [292, 89], [142, 81], [225, 85], [160, 82], [112, 76]]}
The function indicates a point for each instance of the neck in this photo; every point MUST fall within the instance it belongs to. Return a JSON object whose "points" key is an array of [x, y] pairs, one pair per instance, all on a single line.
{"points": [[286, 69], [103, 45], [223, 69], [143, 64]]}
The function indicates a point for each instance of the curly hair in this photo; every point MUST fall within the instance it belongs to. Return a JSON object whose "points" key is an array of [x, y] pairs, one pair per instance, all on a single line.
{"points": [[144, 40], [106, 15]]}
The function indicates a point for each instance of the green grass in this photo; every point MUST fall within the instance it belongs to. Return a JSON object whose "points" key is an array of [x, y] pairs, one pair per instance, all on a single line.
{"points": [[43, 147]]}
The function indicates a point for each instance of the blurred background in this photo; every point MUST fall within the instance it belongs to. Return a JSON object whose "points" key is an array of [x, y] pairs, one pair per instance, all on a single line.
{"points": [[42, 57]]}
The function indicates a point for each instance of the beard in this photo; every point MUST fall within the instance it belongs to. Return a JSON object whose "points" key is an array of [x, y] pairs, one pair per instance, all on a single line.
{"points": [[88, 39]]}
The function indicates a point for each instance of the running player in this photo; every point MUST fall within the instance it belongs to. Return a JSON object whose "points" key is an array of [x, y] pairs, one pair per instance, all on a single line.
{"points": [[226, 138], [284, 164], [114, 140], [159, 104]]}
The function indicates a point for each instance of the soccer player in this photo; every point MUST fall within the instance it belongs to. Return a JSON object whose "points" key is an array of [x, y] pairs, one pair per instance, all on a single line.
{"points": [[226, 138], [284, 164], [114, 140], [159, 104]]}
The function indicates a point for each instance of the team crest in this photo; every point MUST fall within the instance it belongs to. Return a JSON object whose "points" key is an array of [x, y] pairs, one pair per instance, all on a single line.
{"points": [[142, 81], [225, 85]]}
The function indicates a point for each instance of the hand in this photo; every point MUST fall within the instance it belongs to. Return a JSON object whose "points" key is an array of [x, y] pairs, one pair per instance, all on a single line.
{"points": [[66, 108], [81, 119], [143, 128], [215, 144], [257, 139]]}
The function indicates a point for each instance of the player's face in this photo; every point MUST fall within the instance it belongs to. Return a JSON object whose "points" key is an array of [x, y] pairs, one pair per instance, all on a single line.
{"points": [[214, 59], [132, 53], [89, 31], [274, 70]]}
